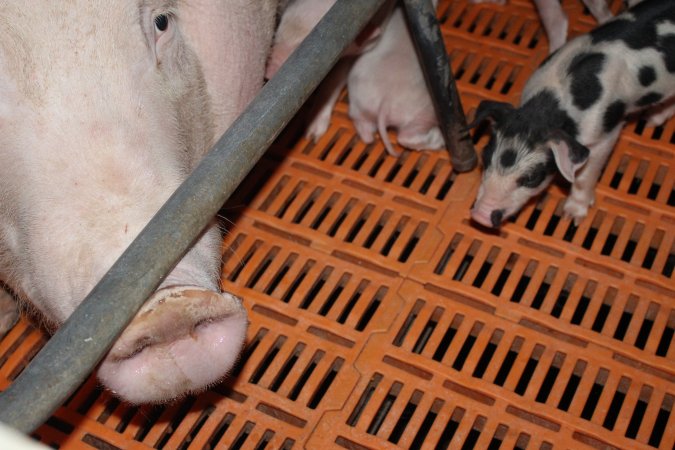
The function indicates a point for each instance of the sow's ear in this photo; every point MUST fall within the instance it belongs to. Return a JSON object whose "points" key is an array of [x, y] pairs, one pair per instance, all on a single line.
{"points": [[569, 154], [232, 39], [488, 109]]}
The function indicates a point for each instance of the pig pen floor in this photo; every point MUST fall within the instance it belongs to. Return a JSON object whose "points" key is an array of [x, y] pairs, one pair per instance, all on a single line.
{"points": [[381, 317]]}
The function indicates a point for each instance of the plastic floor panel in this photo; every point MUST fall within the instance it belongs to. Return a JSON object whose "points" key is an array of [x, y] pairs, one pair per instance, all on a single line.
{"points": [[381, 317]]}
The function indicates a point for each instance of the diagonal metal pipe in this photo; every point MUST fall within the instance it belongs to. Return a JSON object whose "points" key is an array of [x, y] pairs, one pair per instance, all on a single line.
{"points": [[75, 349]]}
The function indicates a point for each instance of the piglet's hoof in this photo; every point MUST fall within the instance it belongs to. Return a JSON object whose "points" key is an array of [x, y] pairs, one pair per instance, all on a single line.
{"points": [[576, 210], [318, 127]]}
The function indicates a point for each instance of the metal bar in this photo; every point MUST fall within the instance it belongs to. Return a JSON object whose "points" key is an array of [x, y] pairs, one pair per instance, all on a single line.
{"points": [[82, 341], [428, 40]]}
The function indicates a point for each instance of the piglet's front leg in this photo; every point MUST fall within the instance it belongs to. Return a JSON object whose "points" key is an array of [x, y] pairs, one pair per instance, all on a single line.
{"points": [[599, 9], [326, 98], [555, 22], [582, 193]]}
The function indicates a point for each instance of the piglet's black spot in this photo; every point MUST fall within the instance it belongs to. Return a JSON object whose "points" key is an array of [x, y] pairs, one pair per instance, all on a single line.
{"points": [[508, 158], [536, 117], [533, 177], [649, 99], [488, 151], [613, 115], [611, 31], [551, 165], [668, 51], [578, 153], [647, 75], [638, 29], [584, 71]]}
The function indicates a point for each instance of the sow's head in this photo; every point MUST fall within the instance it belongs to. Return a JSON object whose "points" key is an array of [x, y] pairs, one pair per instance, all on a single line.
{"points": [[105, 107], [527, 146]]}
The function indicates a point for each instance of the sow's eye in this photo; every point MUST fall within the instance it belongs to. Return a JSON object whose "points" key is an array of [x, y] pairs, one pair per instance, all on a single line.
{"points": [[161, 23], [163, 29]]}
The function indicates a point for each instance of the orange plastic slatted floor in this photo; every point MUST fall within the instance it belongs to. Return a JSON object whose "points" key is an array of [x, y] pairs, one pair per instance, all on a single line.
{"points": [[382, 318]]}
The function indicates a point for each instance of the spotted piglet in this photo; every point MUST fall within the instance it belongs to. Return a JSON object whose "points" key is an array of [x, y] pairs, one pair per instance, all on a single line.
{"points": [[573, 109]]}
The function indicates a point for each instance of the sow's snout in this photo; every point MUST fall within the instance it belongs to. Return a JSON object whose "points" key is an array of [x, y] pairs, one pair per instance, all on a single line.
{"points": [[183, 340]]}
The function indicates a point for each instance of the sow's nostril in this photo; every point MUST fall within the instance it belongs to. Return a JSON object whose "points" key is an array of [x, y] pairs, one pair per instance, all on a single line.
{"points": [[496, 217], [174, 314], [183, 340]]}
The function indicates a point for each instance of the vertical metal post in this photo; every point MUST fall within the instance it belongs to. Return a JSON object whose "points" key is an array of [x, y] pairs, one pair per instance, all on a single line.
{"points": [[431, 50]]}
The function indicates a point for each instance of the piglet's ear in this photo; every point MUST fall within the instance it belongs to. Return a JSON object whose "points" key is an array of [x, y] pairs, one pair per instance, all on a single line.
{"points": [[569, 154], [487, 109]]}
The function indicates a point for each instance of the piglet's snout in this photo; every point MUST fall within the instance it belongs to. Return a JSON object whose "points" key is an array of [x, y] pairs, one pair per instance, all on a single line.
{"points": [[487, 213], [488, 217], [183, 340]]}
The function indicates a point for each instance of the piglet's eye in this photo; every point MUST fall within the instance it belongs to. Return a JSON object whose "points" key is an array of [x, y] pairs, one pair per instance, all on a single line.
{"points": [[533, 178], [161, 22]]}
